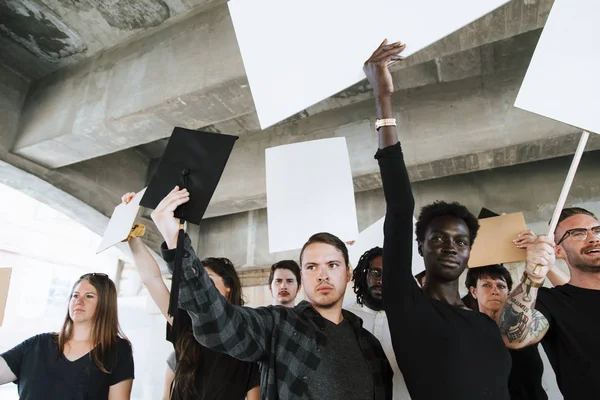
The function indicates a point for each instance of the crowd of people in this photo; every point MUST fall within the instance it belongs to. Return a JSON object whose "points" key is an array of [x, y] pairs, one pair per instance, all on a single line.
{"points": [[404, 337]]}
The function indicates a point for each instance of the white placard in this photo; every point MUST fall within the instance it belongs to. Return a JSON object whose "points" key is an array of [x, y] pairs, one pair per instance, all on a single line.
{"points": [[563, 81], [299, 52], [121, 222], [373, 236], [309, 190], [5, 274]]}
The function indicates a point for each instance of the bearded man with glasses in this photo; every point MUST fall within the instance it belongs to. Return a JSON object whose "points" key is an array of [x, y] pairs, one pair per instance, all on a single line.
{"points": [[566, 319]]}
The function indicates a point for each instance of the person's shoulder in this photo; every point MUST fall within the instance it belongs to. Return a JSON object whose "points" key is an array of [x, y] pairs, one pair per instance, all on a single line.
{"points": [[43, 338], [46, 336], [353, 307], [42, 341], [556, 291], [123, 344]]}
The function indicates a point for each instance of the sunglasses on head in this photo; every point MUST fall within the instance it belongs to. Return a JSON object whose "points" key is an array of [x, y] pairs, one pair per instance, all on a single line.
{"points": [[96, 274]]}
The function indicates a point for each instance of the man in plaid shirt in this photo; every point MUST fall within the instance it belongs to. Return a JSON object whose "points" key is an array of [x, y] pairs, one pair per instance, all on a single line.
{"points": [[314, 350]]}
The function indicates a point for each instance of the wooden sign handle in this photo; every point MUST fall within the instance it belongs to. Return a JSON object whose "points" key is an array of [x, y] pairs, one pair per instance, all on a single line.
{"points": [[567, 186]]}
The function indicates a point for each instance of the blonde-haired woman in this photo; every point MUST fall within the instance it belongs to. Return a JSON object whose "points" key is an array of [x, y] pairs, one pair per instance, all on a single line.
{"points": [[88, 359]]}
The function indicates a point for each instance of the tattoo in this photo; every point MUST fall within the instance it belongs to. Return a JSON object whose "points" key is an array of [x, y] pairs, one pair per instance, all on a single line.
{"points": [[513, 323], [539, 324], [518, 290], [527, 295], [519, 304], [518, 321]]}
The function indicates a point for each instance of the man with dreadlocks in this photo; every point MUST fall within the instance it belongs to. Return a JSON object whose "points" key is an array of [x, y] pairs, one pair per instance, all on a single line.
{"points": [[367, 278]]}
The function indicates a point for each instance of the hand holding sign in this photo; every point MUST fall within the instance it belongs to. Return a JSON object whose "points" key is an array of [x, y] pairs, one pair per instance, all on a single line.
{"points": [[571, 24], [540, 258]]}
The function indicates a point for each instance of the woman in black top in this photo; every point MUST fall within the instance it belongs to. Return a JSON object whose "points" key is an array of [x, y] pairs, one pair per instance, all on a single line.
{"points": [[444, 349], [200, 373], [90, 359], [489, 287]]}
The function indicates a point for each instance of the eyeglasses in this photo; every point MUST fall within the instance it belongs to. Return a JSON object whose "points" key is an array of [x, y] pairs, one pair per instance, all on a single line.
{"points": [[580, 234], [90, 274], [375, 273]]}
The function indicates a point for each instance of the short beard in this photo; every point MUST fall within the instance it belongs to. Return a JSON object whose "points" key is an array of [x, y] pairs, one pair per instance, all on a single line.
{"points": [[286, 302], [580, 265], [327, 305], [370, 301], [587, 268]]}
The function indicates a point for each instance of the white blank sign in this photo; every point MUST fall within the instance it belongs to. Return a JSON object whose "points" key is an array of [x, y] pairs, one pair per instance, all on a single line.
{"points": [[373, 236], [309, 190], [5, 274], [299, 52], [120, 223], [563, 81]]}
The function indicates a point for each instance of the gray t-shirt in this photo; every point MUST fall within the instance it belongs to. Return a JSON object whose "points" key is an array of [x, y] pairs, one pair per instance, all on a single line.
{"points": [[343, 372], [172, 361]]}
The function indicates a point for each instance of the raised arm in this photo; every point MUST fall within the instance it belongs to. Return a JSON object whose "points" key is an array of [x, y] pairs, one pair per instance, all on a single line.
{"points": [[555, 275], [151, 276], [6, 374], [520, 324], [399, 286], [241, 332], [379, 77], [149, 270]]}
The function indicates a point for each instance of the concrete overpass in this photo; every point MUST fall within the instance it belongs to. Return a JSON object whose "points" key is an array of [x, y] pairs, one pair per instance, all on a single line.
{"points": [[89, 91]]}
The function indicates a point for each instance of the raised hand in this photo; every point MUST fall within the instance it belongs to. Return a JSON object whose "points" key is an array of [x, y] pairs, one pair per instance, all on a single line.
{"points": [[540, 258], [127, 197], [376, 67], [164, 215], [524, 239]]}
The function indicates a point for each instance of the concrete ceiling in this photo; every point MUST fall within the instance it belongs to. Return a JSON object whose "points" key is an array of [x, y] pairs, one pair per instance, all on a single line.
{"points": [[38, 37], [96, 86]]}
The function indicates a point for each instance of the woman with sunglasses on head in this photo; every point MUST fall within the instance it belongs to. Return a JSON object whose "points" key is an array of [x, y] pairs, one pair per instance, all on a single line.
{"points": [[89, 358], [196, 372]]}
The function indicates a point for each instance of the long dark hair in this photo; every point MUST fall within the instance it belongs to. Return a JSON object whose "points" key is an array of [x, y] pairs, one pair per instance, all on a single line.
{"points": [[188, 351], [106, 330]]}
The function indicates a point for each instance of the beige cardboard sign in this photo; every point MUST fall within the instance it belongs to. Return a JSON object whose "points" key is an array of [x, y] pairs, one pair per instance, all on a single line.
{"points": [[494, 242], [4, 285]]}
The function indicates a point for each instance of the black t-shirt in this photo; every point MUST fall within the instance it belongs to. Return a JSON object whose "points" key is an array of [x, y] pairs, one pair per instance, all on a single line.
{"points": [[343, 372], [221, 377], [44, 373], [525, 379], [444, 352], [572, 342]]}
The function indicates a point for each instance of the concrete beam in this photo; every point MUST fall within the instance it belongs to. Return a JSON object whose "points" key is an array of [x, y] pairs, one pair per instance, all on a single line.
{"points": [[499, 189], [43, 36], [188, 74], [462, 54], [447, 128]]}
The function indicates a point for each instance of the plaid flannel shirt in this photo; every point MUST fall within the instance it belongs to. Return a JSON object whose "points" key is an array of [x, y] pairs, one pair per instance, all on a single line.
{"points": [[287, 343]]}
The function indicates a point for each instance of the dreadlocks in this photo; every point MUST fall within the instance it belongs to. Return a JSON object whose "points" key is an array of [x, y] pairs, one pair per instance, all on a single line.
{"points": [[359, 276]]}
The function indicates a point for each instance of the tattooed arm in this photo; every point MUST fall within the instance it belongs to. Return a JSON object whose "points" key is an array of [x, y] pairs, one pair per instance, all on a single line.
{"points": [[520, 324]]}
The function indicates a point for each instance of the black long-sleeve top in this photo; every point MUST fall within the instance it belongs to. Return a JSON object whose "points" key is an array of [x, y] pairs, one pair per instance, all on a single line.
{"points": [[444, 352]]}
